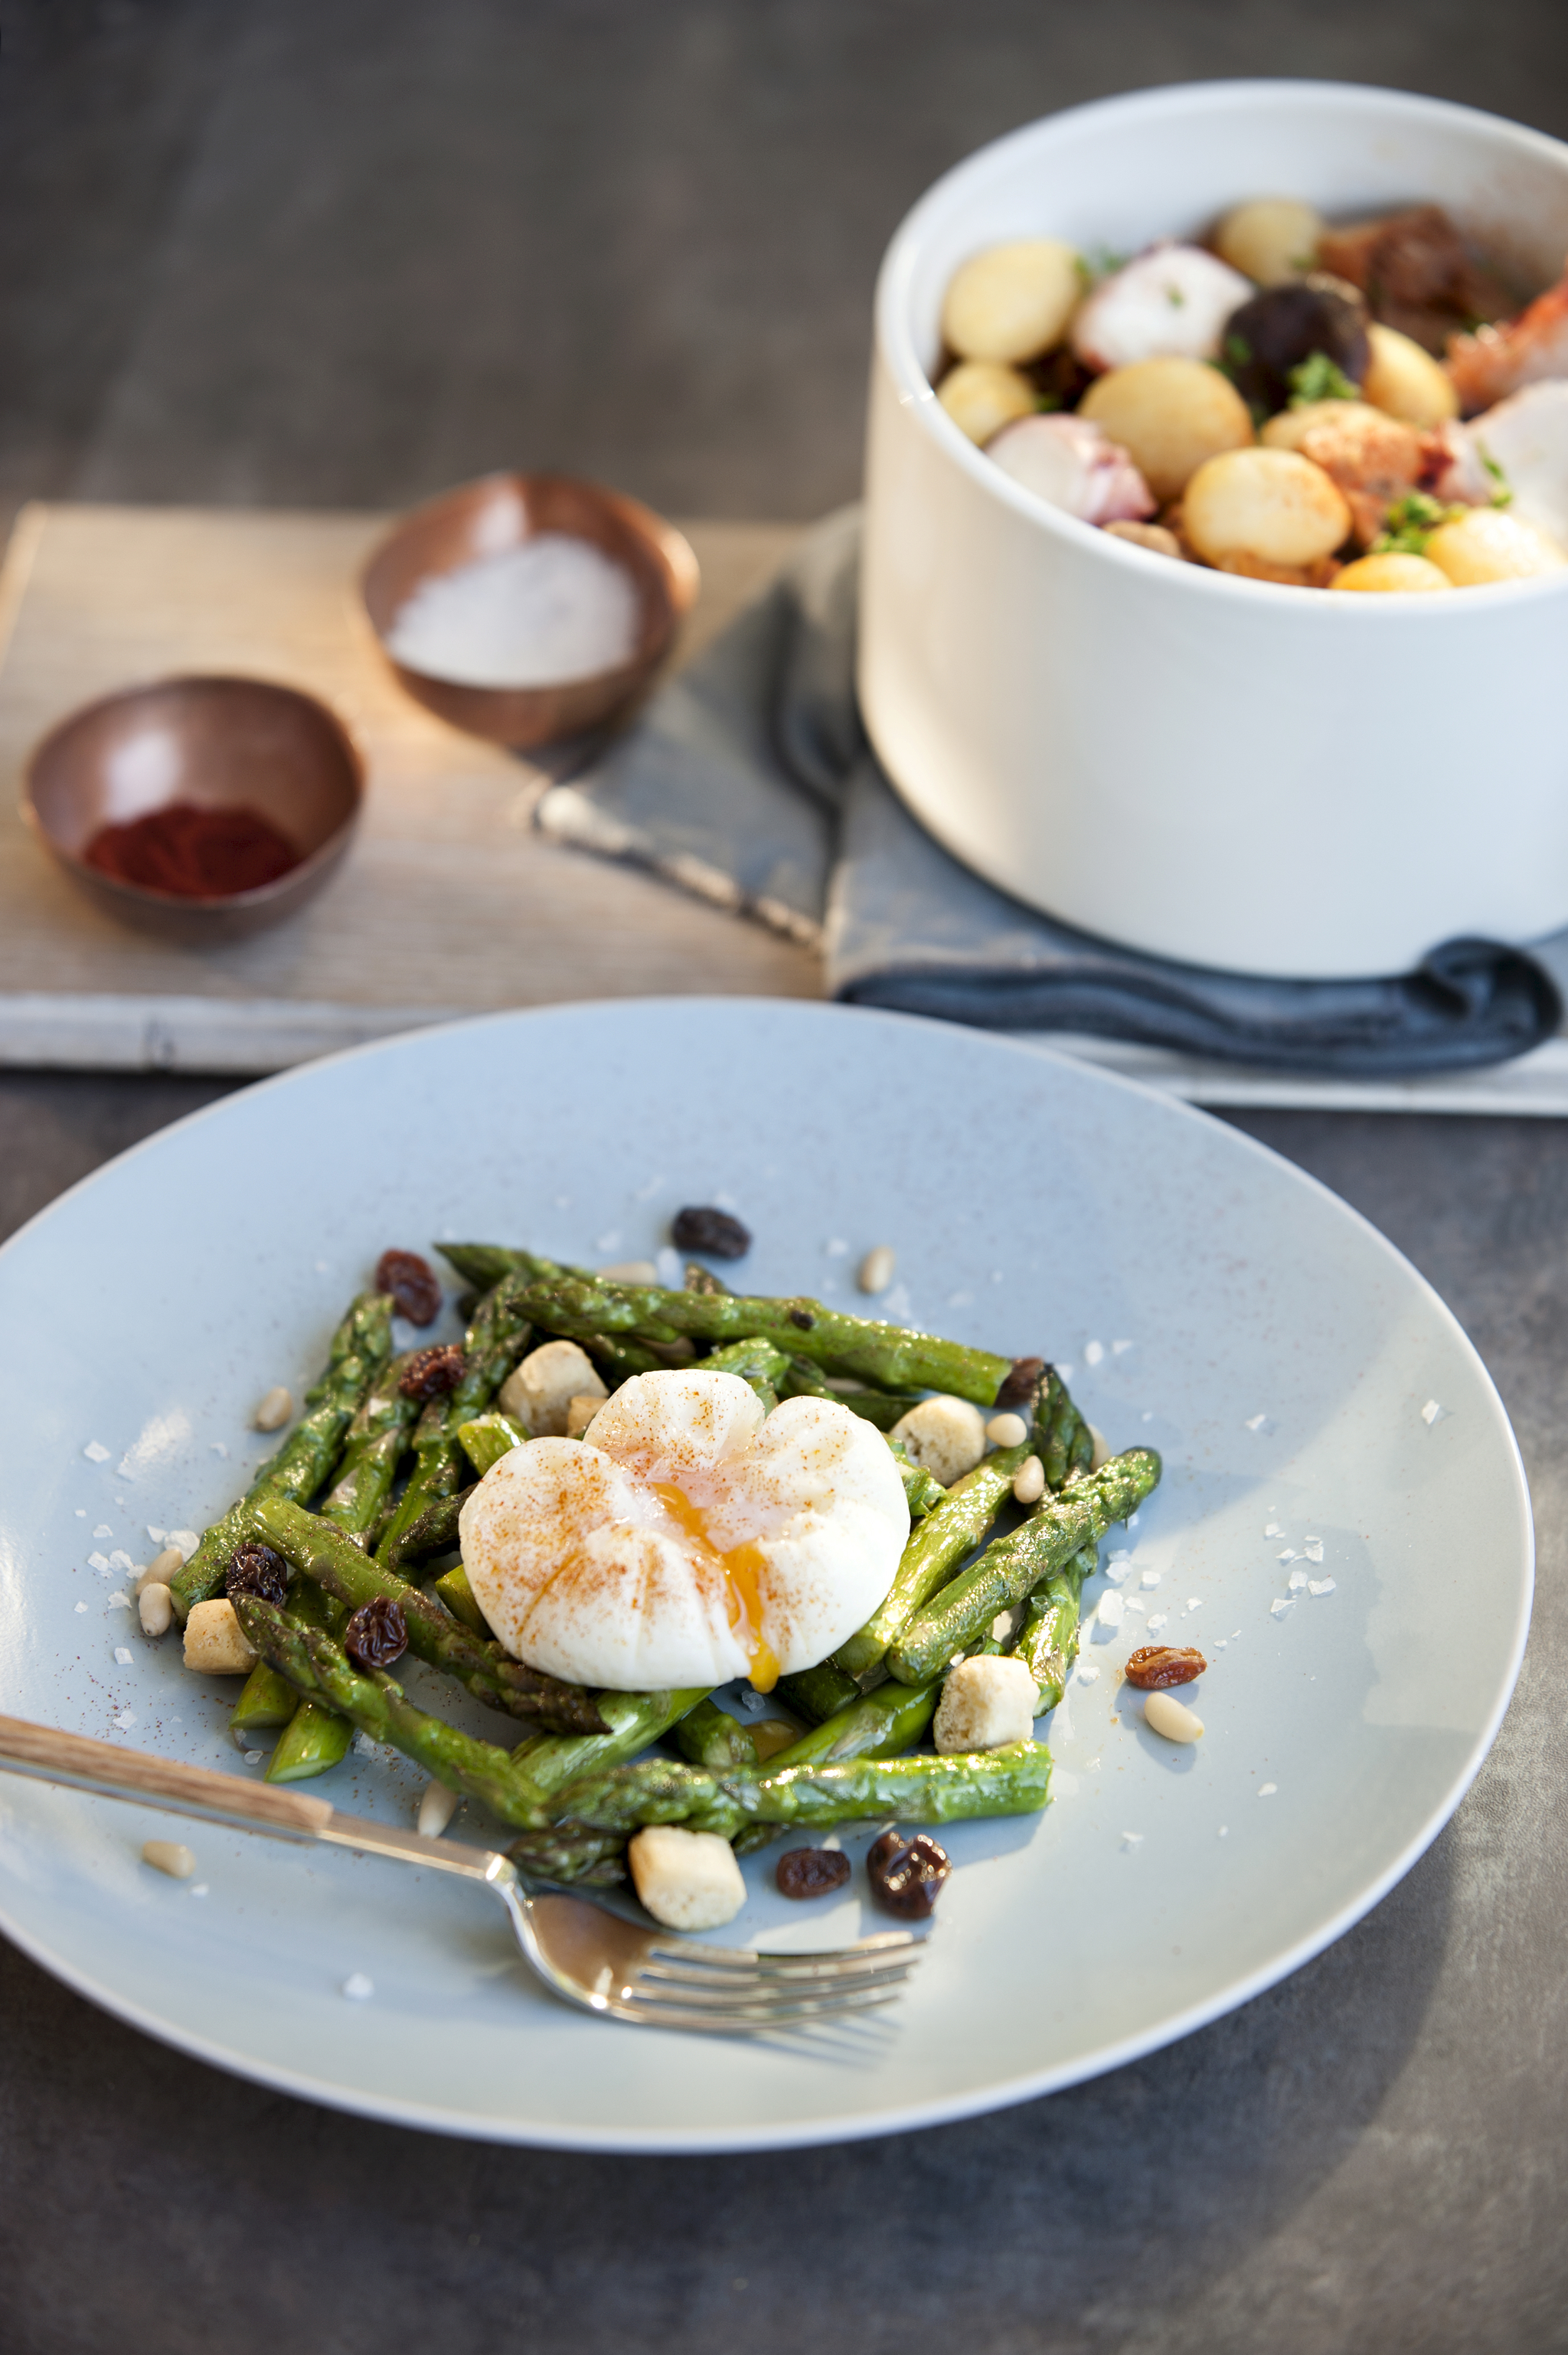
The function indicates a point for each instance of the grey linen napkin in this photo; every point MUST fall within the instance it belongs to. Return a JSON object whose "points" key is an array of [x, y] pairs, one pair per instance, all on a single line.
{"points": [[749, 780]]}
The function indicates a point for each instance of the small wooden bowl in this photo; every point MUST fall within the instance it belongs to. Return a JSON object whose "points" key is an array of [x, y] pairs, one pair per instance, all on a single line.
{"points": [[499, 513], [222, 743]]}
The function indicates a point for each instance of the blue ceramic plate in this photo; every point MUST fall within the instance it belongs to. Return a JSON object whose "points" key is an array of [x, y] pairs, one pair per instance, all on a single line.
{"points": [[1325, 1424]]}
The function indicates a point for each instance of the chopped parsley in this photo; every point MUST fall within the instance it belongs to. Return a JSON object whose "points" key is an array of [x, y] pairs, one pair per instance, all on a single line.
{"points": [[1502, 493], [1238, 352], [1410, 522], [1319, 378]]}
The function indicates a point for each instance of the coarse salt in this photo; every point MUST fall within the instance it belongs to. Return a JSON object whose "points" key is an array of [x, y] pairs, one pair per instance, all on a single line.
{"points": [[1288, 1555], [1151, 1578], [95, 1451], [358, 1987], [1110, 1609], [1432, 1412], [1313, 1549], [1132, 1839], [122, 1657], [556, 608], [1117, 1347], [1257, 1423], [1157, 1621], [1320, 1586], [126, 1720], [81, 1606], [1088, 1673], [1093, 1352], [1279, 1606], [1273, 1529], [99, 1562], [103, 1531], [159, 1537], [1267, 1790], [1296, 1581], [121, 1560]]}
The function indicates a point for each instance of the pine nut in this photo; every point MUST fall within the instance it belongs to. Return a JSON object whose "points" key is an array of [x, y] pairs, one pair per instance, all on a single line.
{"points": [[876, 1270], [169, 1856], [274, 1409], [1167, 1715], [437, 1808], [160, 1570], [1028, 1481], [155, 1608], [1104, 1451], [630, 1270], [1007, 1431]]}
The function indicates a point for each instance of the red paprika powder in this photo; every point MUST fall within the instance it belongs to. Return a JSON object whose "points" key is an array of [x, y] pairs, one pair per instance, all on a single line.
{"points": [[198, 854]]}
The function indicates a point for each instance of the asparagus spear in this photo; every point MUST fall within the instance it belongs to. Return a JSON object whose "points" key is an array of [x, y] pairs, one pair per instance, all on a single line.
{"points": [[929, 1559], [756, 1361], [884, 1355], [1048, 1640], [923, 1492], [1066, 1443], [819, 1693], [265, 1698], [335, 1562], [884, 1408], [489, 1438], [493, 1343], [632, 1719], [460, 1599], [315, 1737], [371, 1452], [709, 1736], [926, 1789], [588, 1860], [318, 1668], [959, 1617], [360, 1348], [882, 1724]]}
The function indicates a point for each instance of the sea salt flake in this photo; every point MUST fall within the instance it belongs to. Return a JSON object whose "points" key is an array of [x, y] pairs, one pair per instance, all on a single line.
{"points": [[959, 1299], [1151, 1578], [253, 1757], [1194, 1603], [95, 1453], [121, 1560], [1147, 1415], [126, 1720], [1279, 1606], [1313, 1549], [1088, 1673], [1258, 1423], [1267, 1790], [103, 1531], [187, 1540], [1065, 1370], [125, 1470], [1288, 1555], [82, 1512], [1093, 1352], [199, 1889], [1273, 1529], [837, 1248], [1225, 1831], [1132, 1521], [1320, 1586], [1157, 1620], [99, 1561], [1222, 1642], [1432, 1412], [610, 1241], [552, 609], [81, 1606], [358, 1987], [118, 1600], [1136, 1602], [1110, 1609], [1296, 1581], [1117, 1347], [1132, 1839], [218, 1447], [122, 1657]]}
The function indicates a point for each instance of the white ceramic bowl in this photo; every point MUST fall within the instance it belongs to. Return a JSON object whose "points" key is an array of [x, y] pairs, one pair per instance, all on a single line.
{"points": [[1271, 780]]}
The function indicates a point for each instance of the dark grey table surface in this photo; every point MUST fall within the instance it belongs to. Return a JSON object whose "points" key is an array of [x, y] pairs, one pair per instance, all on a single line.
{"points": [[344, 252]]}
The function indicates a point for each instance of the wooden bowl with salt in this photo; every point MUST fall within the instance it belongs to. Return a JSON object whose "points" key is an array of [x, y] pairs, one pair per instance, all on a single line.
{"points": [[529, 608]]}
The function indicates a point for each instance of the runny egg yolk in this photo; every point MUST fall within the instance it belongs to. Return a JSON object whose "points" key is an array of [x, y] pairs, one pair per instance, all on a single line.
{"points": [[739, 1569]]}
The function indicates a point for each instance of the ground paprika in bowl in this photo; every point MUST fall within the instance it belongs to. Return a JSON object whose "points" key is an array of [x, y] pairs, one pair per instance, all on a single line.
{"points": [[202, 808]]}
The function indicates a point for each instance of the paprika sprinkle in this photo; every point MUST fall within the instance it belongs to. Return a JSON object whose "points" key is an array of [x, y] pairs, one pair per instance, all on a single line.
{"points": [[194, 853]]}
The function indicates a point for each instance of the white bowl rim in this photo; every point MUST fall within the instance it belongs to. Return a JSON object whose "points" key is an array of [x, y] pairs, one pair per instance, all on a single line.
{"points": [[915, 390]]}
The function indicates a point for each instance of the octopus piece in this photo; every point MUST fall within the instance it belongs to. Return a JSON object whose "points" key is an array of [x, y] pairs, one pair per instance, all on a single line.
{"points": [[1171, 303], [1071, 465], [690, 1539], [1494, 362], [1416, 274]]}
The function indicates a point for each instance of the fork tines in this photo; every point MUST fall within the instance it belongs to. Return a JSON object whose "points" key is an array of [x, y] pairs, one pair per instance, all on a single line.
{"points": [[717, 1985]]}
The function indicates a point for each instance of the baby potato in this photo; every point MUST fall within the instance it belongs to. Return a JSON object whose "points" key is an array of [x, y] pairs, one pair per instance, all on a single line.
{"points": [[1406, 382], [981, 397], [1269, 505], [1270, 240], [1012, 302], [1392, 573], [1290, 429], [1486, 545], [1168, 415]]}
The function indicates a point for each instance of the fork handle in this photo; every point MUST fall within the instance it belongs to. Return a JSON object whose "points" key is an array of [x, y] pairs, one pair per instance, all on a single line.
{"points": [[51, 1756]]}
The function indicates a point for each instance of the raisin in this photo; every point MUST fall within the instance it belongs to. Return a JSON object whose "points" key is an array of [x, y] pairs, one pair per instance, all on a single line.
{"points": [[431, 1373], [414, 1284], [377, 1634], [1020, 1386], [812, 1871], [802, 1317], [257, 1570], [1155, 1666], [907, 1874], [713, 1231]]}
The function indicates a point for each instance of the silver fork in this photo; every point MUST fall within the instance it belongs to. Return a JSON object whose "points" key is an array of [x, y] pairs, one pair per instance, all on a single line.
{"points": [[587, 1950]]}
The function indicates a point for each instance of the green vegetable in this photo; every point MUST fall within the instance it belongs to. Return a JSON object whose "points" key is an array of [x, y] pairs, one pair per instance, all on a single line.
{"points": [[1048, 1640], [1503, 495], [1318, 377], [709, 1736], [929, 1559], [756, 1361], [1010, 1568], [360, 1348], [818, 1693], [372, 1450], [458, 1598], [315, 1737], [335, 1564], [926, 1789], [265, 1698], [885, 1355], [1064, 1442], [874, 1725], [585, 1860], [632, 1721], [1410, 523], [884, 1408], [495, 1341], [434, 1531], [489, 1438]]}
